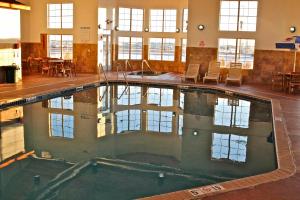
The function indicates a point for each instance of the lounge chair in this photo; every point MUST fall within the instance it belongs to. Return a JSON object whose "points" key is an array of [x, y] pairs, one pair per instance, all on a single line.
{"points": [[234, 74], [192, 72], [213, 73]]}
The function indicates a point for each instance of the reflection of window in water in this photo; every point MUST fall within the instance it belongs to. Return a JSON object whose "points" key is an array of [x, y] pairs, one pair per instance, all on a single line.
{"points": [[159, 121], [128, 120], [180, 125], [160, 96], [61, 125], [130, 95], [66, 103], [104, 98], [229, 146], [181, 100], [233, 113]]}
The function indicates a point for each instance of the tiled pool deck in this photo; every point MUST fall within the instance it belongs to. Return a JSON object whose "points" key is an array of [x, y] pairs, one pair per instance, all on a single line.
{"points": [[283, 183]]}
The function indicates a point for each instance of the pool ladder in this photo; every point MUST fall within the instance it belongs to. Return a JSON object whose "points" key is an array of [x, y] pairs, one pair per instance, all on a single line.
{"points": [[145, 62]]}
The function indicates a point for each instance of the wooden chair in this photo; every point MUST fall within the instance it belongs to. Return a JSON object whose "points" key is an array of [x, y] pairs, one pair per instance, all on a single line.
{"points": [[213, 73], [68, 68], [294, 82], [235, 74], [192, 72], [277, 80], [45, 67]]}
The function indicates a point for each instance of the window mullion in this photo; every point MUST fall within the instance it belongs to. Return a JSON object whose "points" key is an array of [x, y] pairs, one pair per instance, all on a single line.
{"points": [[238, 19], [163, 21], [162, 49]]}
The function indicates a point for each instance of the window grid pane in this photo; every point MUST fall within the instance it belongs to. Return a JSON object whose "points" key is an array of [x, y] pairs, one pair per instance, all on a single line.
{"points": [[54, 46], [136, 52], [245, 52], [168, 53], [67, 15], [156, 20], [67, 47], [137, 19], [226, 51], [185, 20], [155, 49], [248, 15], [124, 19], [124, 45], [170, 17], [229, 15], [54, 15], [183, 50]]}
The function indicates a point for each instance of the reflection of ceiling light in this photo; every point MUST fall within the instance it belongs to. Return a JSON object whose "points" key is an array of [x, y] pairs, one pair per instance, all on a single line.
{"points": [[13, 4], [161, 175]]}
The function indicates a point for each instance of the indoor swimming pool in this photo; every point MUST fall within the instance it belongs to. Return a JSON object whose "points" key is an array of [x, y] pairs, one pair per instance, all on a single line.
{"points": [[121, 141]]}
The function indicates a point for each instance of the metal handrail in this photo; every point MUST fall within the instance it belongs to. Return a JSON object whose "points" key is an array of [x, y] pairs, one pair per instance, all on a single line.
{"points": [[148, 65], [127, 64], [104, 93], [126, 87], [105, 77]]}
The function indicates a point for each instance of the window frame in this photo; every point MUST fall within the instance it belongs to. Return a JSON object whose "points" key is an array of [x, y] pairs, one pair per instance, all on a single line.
{"points": [[238, 16], [162, 52], [130, 55], [163, 21], [131, 19], [237, 53], [60, 16], [61, 48]]}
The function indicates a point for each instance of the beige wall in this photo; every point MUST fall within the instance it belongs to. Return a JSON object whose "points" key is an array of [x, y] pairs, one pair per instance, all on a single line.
{"points": [[274, 19]]}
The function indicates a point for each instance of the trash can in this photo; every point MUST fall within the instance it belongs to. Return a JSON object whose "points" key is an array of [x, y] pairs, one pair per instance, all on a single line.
{"points": [[11, 74]]}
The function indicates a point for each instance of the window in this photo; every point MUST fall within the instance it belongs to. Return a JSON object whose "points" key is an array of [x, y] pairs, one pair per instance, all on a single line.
{"points": [[160, 96], [162, 49], [229, 146], [65, 103], [128, 120], [129, 95], [183, 50], [180, 125], [236, 50], [163, 20], [131, 19], [60, 46], [181, 100], [9, 28], [238, 15], [159, 121], [61, 125], [185, 18], [60, 15], [232, 113], [130, 48]]}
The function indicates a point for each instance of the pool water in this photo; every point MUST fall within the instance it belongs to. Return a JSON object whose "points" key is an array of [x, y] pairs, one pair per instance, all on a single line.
{"points": [[127, 142]]}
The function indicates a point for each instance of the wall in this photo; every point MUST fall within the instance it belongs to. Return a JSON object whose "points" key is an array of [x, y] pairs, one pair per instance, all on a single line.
{"points": [[34, 23], [274, 20]]}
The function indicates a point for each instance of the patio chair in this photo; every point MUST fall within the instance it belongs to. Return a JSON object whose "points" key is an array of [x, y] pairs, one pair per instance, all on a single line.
{"points": [[213, 73], [234, 74], [192, 72]]}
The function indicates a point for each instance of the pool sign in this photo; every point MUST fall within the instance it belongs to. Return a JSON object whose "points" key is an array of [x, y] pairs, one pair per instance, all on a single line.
{"points": [[206, 190]]}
